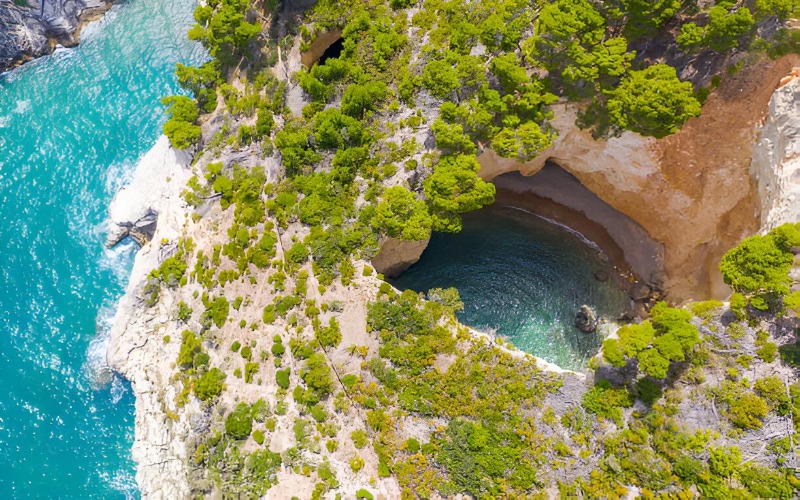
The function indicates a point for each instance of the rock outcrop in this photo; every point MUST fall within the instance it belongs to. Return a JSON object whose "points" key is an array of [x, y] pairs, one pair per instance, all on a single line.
{"points": [[398, 255], [776, 158], [586, 320], [33, 28]]}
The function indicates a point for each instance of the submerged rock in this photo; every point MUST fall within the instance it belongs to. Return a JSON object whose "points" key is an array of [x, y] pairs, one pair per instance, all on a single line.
{"points": [[601, 275], [586, 320]]}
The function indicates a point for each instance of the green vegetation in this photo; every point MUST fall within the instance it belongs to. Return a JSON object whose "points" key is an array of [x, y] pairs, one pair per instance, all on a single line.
{"points": [[400, 215], [239, 423], [758, 267], [668, 337], [181, 128], [652, 102]]}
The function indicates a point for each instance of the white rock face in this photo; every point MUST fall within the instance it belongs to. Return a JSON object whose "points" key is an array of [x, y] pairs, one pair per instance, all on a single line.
{"points": [[776, 158], [136, 346]]}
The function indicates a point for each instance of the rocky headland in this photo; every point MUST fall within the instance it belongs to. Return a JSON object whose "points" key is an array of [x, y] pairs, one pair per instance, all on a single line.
{"points": [[33, 28]]}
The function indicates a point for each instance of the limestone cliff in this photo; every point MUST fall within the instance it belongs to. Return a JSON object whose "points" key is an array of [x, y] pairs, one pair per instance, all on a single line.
{"points": [[134, 349], [32, 28], [776, 158]]}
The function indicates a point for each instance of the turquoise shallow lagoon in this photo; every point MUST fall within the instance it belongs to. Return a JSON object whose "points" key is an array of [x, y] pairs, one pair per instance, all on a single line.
{"points": [[72, 126], [523, 278]]}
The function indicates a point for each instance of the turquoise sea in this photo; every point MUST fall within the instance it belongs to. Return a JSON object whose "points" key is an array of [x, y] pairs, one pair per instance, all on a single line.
{"points": [[72, 127]]}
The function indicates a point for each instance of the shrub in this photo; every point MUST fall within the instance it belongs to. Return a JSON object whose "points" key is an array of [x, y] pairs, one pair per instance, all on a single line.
{"points": [[298, 253], [649, 391], [317, 375], [210, 384], [724, 460], [259, 410], [190, 345], [748, 411], [217, 311], [330, 336], [282, 378], [318, 413], [606, 401], [258, 436], [766, 483], [359, 438], [767, 352], [773, 390], [250, 369], [239, 423], [247, 352], [356, 464], [363, 494], [235, 346]]}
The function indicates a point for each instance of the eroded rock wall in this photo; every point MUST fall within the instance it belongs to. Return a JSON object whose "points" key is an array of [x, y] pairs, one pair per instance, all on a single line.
{"points": [[776, 158]]}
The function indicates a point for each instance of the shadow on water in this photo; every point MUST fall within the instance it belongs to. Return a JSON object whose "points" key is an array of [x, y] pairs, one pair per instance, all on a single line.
{"points": [[523, 278]]}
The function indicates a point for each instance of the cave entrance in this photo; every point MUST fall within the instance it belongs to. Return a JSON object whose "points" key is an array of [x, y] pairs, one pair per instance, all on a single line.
{"points": [[332, 52], [326, 46], [526, 265]]}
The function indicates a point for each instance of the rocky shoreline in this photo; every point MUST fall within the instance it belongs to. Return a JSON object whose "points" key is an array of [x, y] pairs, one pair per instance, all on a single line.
{"points": [[153, 196], [33, 28]]}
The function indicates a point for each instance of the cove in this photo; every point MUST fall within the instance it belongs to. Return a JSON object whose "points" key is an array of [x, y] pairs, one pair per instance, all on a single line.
{"points": [[524, 278], [72, 126]]}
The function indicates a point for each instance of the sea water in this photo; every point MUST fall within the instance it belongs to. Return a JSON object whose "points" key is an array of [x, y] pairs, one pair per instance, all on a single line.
{"points": [[72, 126], [523, 278]]}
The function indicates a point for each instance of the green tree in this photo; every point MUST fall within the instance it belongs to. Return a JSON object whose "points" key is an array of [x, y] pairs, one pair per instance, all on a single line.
{"points": [[782, 9], [455, 188], [202, 81], [239, 423], [222, 29], [652, 102], [439, 77], [359, 99], [181, 127], [401, 215], [644, 16], [757, 266], [723, 31], [210, 384]]}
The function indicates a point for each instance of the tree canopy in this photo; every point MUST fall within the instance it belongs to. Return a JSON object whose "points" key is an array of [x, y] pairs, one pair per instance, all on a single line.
{"points": [[652, 101]]}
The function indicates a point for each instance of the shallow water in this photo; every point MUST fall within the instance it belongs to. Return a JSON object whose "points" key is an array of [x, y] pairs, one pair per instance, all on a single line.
{"points": [[523, 278], [72, 126]]}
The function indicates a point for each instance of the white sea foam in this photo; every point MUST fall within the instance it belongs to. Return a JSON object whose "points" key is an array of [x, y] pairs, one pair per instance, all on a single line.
{"points": [[95, 368], [22, 106]]}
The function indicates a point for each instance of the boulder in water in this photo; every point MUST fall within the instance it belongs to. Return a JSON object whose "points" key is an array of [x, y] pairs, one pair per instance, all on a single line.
{"points": [[586, 320]]}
